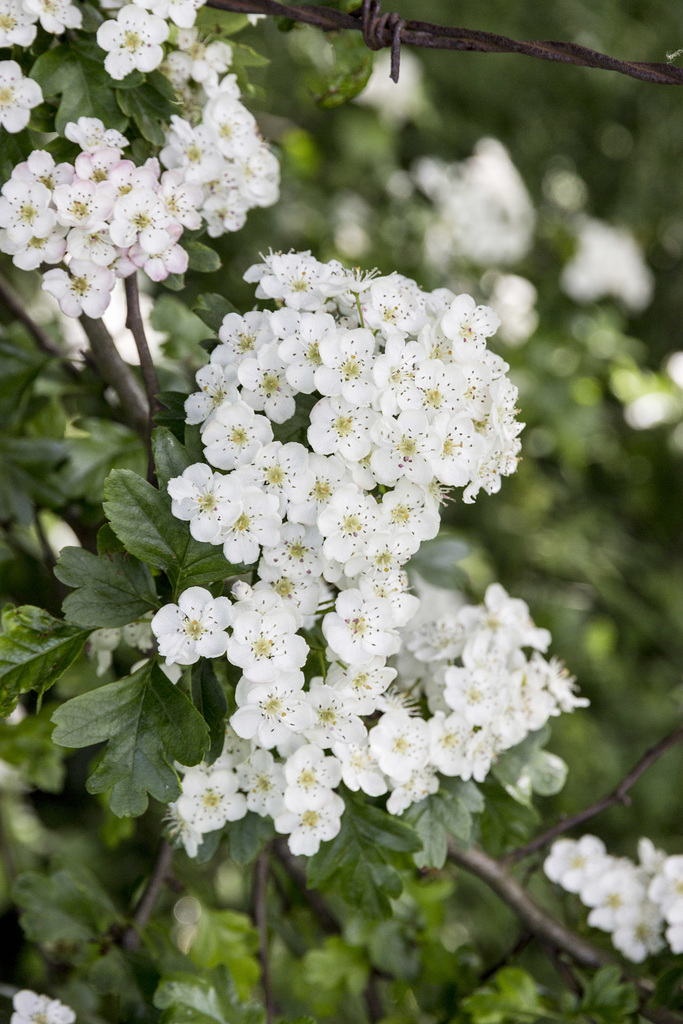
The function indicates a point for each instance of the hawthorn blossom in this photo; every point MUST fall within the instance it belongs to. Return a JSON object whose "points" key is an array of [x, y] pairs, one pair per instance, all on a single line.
{"points": [[18, 96], [194, 628]]}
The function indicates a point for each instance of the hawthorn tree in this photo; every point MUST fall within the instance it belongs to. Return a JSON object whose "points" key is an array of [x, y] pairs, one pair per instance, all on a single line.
{"points": [[297, 653]]}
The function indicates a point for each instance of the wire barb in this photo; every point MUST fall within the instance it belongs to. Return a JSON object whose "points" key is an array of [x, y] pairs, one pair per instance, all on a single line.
{"points": [[378, 28]]}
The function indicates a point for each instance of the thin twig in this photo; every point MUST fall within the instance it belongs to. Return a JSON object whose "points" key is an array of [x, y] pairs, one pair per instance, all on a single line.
{"points": [[118, 374], [548, 928], [619, 795], [261, 919], [136, 326], [388, 30], [41, 337], [373, 1001], [130, 936], [323, 915]]}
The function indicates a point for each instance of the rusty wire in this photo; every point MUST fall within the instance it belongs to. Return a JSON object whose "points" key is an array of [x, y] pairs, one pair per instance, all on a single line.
{"points": [[390, 31]]}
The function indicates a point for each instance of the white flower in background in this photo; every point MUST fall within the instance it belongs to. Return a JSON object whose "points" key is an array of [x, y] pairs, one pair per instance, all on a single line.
{"points": [[194, 628], [132, 42], [395, 102], [18, 96], [608, 263], [30, 1008]]}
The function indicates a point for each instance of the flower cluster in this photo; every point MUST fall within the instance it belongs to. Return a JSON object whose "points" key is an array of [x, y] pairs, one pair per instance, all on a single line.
{"points": [[484, 211], [104, 217], [608, 262], [400, 400], [30, 1008], [634, 902]]}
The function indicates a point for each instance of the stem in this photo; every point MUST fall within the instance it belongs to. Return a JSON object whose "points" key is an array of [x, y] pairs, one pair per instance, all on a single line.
{"points": [[390, 31], [321, 911], [41, 337], [261, 918], [117, 373], [130, 937], [619, 795], [548, 928], [135, 325]]}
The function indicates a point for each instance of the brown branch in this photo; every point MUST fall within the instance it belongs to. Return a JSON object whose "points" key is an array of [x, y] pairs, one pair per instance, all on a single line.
{"points": [[136, 326], [547, 928], [130, 936], [619, 795], [261, 919], [117, 373], [391, 31], [42, 339]]}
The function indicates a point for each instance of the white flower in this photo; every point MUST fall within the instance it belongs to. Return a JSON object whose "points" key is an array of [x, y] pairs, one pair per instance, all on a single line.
{"points": [[641, 935], [265, 646], [407, 447], [272, 711], [55, 15], [258, 524], [421, 783], [608, 262], [338, 426], [263, 781], [210, 798], [360, 686], [194, 628], [359, 769], [17, 24], [209, 501], [235, 435], [86, 288], [345, 362], [90, 134], [30, 1008], [336, 722], [242, 336], [666, 889], [310, 777], [307, 829], [400, 745], [360, 628], [25, 211], [132, 42], [18, 96], [265, 386]]}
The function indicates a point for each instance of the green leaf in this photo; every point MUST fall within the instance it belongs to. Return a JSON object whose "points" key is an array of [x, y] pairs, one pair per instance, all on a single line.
{"points": [[172, 415], [358, 860], [227, 937], [547, 773], [605, 996], [247, 836], [512, 999], [63, 908], [351, 69], [210, 701], [219, 22], [148, 723], [35, 649], [149, 109], [100, 447], [187, 999], [437, 560], [30, 477], [75, 72], [203, 258], [435, 818], [213, 309], [19, 367], [141, 518], [112, 590], [28, 745], [336, 965]]}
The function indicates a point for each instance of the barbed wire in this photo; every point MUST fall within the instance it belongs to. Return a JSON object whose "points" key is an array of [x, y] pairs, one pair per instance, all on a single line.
{"points": [[391, 31]]}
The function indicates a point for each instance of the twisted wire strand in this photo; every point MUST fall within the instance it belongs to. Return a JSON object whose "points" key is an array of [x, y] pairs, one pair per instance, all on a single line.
{"points": [[390, 31]]}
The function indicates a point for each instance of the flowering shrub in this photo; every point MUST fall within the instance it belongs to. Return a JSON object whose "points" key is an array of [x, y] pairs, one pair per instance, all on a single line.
{"points": [[265, 653]]}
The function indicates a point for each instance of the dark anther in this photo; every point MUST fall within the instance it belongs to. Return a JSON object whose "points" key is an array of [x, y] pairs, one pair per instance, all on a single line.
{"points": [[377, 27]]}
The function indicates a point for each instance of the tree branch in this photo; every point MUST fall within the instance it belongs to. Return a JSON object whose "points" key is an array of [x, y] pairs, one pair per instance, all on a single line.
{"points": [[117, 373], [546, 927], [136, 326], [391, 31], [619, 795], [41, 337], [130, 937], [261, 919]]}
